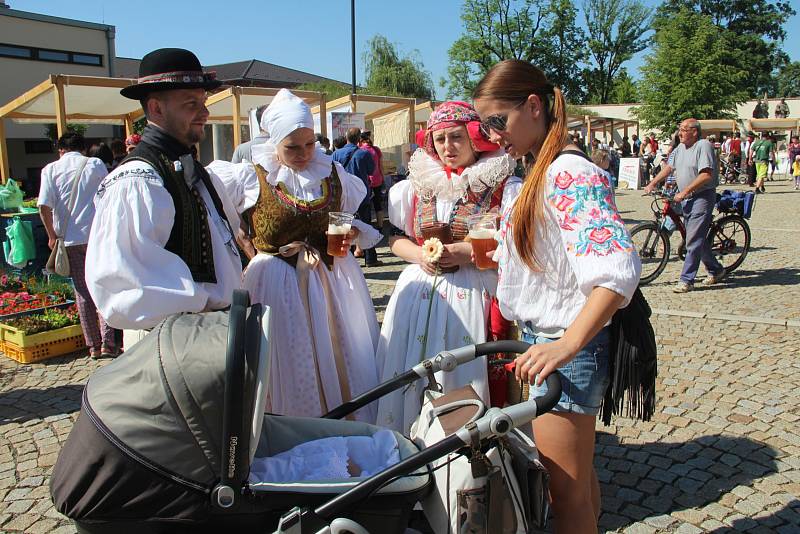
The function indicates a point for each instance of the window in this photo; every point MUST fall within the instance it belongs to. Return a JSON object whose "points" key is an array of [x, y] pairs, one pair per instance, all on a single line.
{"points": [[87, 59], [39, 146], [57, 56], [15, 51], [53, 55]]}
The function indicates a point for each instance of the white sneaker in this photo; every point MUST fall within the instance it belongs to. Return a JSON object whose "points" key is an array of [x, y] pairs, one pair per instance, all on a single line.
{"points": [[682, 287], [712, 279]]}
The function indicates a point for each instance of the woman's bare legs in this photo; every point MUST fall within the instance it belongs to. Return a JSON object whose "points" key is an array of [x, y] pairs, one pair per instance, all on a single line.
{"points": [[566, 444]]}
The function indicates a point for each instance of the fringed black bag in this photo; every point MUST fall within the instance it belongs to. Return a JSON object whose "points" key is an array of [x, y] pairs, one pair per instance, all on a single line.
{"points": [[633, 365]]}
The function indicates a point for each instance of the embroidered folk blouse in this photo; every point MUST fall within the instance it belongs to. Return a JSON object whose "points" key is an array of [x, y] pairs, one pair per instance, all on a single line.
{"points": [[582, 244]]}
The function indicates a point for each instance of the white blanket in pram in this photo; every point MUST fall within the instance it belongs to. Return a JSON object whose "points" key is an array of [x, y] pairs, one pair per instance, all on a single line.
{"points": [[329, 459]]}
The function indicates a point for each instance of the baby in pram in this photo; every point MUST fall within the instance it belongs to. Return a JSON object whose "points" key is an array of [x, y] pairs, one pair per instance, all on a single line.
{"points": [[329, 459]]}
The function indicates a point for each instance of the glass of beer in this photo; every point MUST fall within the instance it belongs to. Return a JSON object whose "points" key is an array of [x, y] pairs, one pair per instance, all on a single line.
{"points": [[482, 228], [339, 224]]}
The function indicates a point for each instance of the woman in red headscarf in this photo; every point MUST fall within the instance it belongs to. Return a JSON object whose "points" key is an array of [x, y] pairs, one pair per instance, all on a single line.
{"points": [[447, 304]]}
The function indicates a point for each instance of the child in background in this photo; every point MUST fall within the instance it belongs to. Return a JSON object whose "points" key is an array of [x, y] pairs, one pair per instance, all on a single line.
{"points": [[602, 159], [796, 172]]}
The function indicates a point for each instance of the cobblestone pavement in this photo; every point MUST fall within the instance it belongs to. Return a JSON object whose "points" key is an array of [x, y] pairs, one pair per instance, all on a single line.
{"points": [[722, 453]]}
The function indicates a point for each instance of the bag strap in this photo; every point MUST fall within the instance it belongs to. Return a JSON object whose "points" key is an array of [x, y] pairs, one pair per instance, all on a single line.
{"points": [[73, 196]]}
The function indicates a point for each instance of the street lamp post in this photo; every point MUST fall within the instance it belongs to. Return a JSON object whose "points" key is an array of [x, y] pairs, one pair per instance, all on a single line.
{"points": [[353, 42]]}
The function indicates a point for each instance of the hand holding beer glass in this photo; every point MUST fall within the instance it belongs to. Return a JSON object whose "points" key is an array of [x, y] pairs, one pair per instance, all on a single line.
{"points": [[482, 228], [339, 224]]}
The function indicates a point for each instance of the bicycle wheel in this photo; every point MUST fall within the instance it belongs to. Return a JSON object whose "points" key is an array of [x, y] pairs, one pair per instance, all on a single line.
{"points": [[652, 244], [730, 240]]}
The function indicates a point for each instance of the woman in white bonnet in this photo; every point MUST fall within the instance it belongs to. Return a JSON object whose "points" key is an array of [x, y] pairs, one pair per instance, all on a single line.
{"points": [[323, 330]]}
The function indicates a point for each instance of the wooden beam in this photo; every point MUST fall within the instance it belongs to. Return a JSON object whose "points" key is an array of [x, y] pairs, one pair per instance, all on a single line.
{"points": [[588, 132], [353, 103], [27, 96], [323, 115], [412, 119], [384, 99], [4, 169], [237, 117], [97, 81], [219, 97], [128, 125], [386, 111], [339, 101], [61, 112]]}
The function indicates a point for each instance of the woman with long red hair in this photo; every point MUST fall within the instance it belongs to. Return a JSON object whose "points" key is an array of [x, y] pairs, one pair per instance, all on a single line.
{"points": [[567, 264]]}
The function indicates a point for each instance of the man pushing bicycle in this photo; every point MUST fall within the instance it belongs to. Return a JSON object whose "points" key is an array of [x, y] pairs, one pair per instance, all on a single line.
{"points": [[697, 176]]}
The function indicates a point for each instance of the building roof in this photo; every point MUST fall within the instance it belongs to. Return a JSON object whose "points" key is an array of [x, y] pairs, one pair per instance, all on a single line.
{"points": [[55, 20], [242, 73]]}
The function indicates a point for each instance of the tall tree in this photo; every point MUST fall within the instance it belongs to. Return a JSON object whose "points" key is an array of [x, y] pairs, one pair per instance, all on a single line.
{"points": [[685, 75], [756, 32], [789, 80], [542, 32], [331, 89], [616, 33], [624, 90], [390, 74]]}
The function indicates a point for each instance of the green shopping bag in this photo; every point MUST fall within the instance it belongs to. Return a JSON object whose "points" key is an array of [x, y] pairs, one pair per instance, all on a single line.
{"points": [[10, 195], [19, 247]]}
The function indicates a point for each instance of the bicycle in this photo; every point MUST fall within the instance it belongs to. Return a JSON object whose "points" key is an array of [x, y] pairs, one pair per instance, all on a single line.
{"points": [[731, 171], [729, 236]]}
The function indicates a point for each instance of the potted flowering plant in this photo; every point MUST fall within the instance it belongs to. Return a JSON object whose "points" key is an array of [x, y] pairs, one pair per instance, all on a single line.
{"points": [[29, 330]]}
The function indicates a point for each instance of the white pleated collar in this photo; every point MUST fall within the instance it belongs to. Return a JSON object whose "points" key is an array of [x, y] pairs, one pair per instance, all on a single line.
{"points": [[310, 178], [429, 178]]}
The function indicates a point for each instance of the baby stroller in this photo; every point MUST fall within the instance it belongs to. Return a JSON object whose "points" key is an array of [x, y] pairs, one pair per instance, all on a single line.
{"points": [[167, 434]]}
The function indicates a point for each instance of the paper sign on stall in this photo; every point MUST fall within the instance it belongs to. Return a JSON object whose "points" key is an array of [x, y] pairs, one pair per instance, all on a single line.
{"points": [[628, 173]]}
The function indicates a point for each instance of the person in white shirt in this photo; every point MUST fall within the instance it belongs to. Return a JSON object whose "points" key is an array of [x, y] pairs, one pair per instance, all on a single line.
{"points": [[73, 173], [566, 265], [163, 239]]}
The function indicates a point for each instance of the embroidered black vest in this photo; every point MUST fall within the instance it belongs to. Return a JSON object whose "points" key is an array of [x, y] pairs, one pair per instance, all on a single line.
{"points": [[189, 238]]}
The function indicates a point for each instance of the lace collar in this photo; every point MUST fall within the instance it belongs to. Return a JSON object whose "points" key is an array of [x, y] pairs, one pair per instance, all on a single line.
{"points": [[310, 178], [429, 179]]}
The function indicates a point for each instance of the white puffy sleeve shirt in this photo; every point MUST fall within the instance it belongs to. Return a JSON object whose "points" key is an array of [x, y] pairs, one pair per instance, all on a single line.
{"points": [[582, 244], [134, 281], [241, 186]]}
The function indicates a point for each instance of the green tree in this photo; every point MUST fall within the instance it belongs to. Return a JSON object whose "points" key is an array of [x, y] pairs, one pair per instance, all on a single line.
{"points": [[616, 33], [331, 89], [686, 76], [789, 80], [51, 130], [756, 32], [389, 74], [624, 90], [542, 32]]}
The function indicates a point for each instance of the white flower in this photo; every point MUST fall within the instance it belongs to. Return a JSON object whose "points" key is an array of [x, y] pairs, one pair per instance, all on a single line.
{"points": [[432, 250]]}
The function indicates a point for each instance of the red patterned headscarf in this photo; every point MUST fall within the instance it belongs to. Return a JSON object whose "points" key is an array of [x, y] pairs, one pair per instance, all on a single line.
{"points": [[456, 113]]}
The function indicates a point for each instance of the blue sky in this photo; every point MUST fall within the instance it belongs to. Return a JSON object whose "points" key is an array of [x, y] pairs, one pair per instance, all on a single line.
{"points": [[308, 35]]}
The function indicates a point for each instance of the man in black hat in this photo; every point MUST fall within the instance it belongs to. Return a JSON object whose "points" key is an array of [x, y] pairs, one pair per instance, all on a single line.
{"points": [[162, 239]]}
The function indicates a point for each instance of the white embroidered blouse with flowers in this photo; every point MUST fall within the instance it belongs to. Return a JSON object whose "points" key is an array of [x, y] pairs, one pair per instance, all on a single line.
{"points": [[582, 244]]}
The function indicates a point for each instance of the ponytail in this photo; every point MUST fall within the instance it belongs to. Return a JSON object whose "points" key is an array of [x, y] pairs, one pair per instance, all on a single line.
{"points": [[514, 80], [529, 208]]}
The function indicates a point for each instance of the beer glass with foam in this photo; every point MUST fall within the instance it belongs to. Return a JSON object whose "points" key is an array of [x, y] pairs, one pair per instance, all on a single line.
{"points": [[482, 228], [339, 224]]}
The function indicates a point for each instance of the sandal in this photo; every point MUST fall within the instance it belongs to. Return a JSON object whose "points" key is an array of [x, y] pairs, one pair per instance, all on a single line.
{"points": [[95, 354]]}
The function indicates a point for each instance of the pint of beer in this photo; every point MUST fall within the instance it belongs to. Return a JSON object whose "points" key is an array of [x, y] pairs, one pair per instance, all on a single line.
{"points": [[338, 227], [482, 228]]}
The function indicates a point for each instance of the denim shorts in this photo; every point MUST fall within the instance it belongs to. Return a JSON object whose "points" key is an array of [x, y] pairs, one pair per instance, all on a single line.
{"points": [[584, 379]]}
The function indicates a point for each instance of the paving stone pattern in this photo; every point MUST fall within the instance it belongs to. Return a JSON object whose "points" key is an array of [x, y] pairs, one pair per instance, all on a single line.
{"points": [[721, 455]]}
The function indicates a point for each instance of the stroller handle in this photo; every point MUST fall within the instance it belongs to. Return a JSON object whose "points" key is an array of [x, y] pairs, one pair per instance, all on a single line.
{"points": [[446, 361]]}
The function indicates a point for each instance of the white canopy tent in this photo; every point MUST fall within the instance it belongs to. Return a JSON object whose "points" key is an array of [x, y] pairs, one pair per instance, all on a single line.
{"points": [[96, 100], [374, 108]]}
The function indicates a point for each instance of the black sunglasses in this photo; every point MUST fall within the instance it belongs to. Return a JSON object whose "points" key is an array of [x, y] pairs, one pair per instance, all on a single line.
{"points": [[497, 122]]}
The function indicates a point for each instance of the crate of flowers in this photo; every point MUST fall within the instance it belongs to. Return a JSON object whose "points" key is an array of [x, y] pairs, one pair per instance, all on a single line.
{"points": [[20, 297], [51, 333]]}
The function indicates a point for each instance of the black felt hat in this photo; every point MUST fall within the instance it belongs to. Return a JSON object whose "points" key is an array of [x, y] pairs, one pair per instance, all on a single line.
{"points": [[168, 69]]}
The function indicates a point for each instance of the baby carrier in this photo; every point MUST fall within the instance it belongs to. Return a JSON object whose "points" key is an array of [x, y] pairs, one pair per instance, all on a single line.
{"points": [[167, 433]]}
